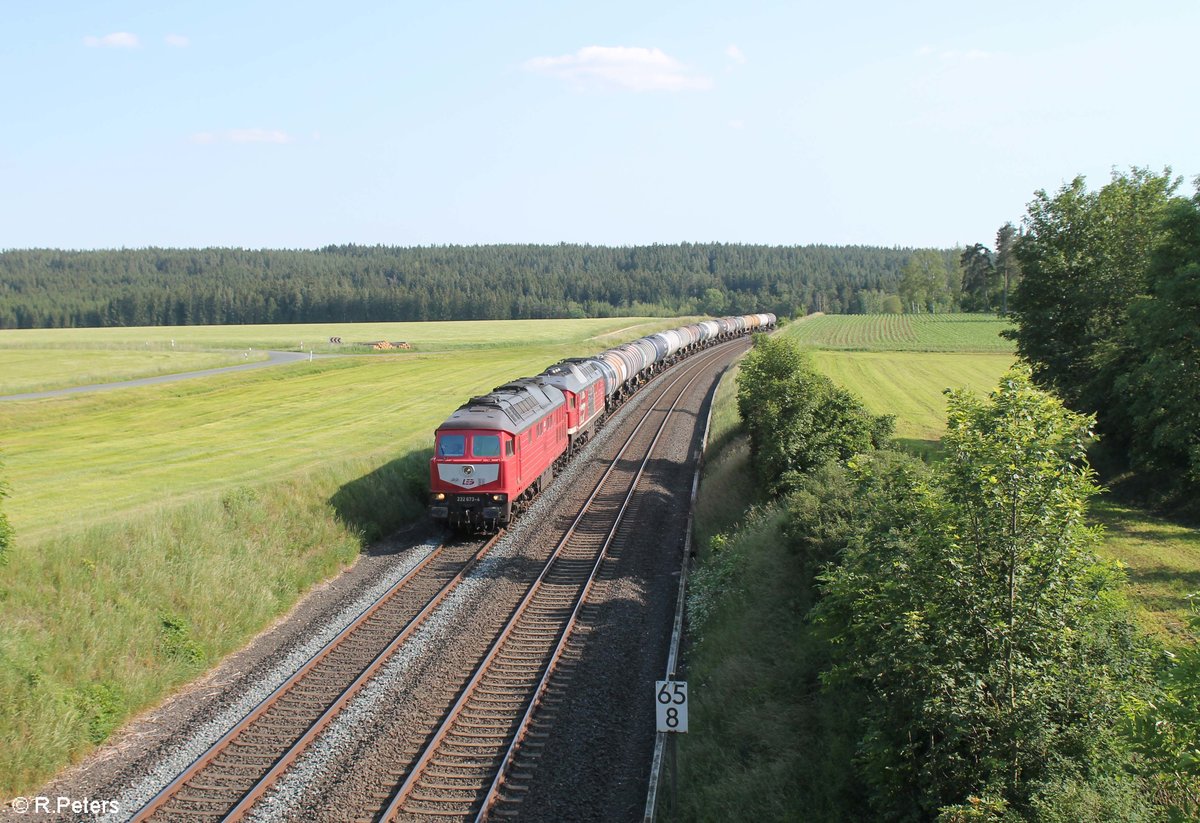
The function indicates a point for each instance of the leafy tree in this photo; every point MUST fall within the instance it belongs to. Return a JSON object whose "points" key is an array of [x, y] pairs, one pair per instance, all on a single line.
{"points": [[987, 638], [925, 282], [1084, 257], [1157, 364], [979, 274], [796, 417]]}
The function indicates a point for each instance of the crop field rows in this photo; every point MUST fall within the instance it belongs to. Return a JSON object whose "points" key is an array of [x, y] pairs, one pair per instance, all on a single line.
{"points": [[903, 332]]}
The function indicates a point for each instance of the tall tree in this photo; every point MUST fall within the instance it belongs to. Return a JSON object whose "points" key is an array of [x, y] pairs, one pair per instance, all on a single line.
{"points": [[1008, 267], [1156, 366], [979, 275], [973, 613], [1084, 257]]}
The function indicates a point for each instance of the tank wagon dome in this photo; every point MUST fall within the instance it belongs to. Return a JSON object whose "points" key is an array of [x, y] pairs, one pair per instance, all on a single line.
{"points": [[512, 407], [612, 377]]}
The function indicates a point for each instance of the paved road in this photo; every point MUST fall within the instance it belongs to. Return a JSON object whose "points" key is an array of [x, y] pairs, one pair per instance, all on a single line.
{"points": [[276, 358]]}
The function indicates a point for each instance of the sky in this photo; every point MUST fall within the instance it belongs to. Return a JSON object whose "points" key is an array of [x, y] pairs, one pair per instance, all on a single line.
{"points": [[300, 124]]}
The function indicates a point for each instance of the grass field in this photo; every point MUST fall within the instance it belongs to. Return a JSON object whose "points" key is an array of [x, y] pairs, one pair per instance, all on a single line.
{"points": [[158, 528], [903, 332], [456, 334], [34, 370]]}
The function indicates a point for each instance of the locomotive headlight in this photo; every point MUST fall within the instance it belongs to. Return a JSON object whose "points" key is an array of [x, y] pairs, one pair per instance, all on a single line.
{"points": [[439, 496], [497, 497]]}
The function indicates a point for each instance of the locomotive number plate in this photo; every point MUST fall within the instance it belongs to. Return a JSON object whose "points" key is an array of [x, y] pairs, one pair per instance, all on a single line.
{"points": [[462, 499]]}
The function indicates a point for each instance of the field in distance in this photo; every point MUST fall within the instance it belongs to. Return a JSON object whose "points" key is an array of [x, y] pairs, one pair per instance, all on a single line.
{"points": [[1162, 558], [904, 332], [33, 360]]}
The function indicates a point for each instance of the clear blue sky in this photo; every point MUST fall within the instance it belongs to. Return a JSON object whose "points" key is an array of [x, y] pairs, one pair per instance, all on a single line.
{"points": [[298, 124]]}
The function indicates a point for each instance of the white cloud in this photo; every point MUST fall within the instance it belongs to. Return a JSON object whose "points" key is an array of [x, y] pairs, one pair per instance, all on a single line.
{"points": [[735, 54], [179, 41], [276, 136], [116, 40], [623, 68]]}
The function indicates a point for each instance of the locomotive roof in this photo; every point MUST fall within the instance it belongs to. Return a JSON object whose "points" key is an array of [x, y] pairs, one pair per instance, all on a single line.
{"points": [[573, 375], [512, 407]]}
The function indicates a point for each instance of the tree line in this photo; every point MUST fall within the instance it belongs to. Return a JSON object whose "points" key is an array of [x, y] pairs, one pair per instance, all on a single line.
{"points": [[42, 288]]}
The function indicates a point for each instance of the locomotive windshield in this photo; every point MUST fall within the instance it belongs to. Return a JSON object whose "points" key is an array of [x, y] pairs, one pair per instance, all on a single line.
{"points": [[485, 445], [452, 445]]}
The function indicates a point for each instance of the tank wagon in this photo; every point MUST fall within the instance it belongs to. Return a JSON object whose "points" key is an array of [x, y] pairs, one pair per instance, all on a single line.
{"points": [[496, 452]]}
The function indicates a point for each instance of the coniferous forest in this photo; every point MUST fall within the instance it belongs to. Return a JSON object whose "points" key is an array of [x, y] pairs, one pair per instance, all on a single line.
{"points": [[42, 288]]}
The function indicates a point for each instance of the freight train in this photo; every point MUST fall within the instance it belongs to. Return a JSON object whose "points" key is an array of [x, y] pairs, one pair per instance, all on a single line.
{"points": [[497, 452]]}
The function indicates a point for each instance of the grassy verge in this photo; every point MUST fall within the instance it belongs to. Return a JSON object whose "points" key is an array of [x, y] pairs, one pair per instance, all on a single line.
{"points": [[1162, 560], [758, 748], [728, 486]]}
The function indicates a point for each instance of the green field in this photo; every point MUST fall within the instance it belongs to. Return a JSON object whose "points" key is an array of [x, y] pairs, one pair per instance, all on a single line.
{"points": [[34, 370], [88, 459], [903, 332], [160, 527], [454, 334], [911, 385], [1162, 558]]}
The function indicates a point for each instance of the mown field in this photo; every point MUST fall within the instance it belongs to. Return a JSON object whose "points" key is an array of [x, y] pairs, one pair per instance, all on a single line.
{"points": [[456, 334], [34, 370], [160, 527]]}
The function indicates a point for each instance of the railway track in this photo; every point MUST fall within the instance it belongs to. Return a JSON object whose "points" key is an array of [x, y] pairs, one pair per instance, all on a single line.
{"points": [[236, 770], [468, 767], [228, 780]]}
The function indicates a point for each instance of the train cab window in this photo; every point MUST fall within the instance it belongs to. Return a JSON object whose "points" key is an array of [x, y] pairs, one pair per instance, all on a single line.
{"points": [[485, 445], [571, 401], [508, 448], [452, 445]]}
